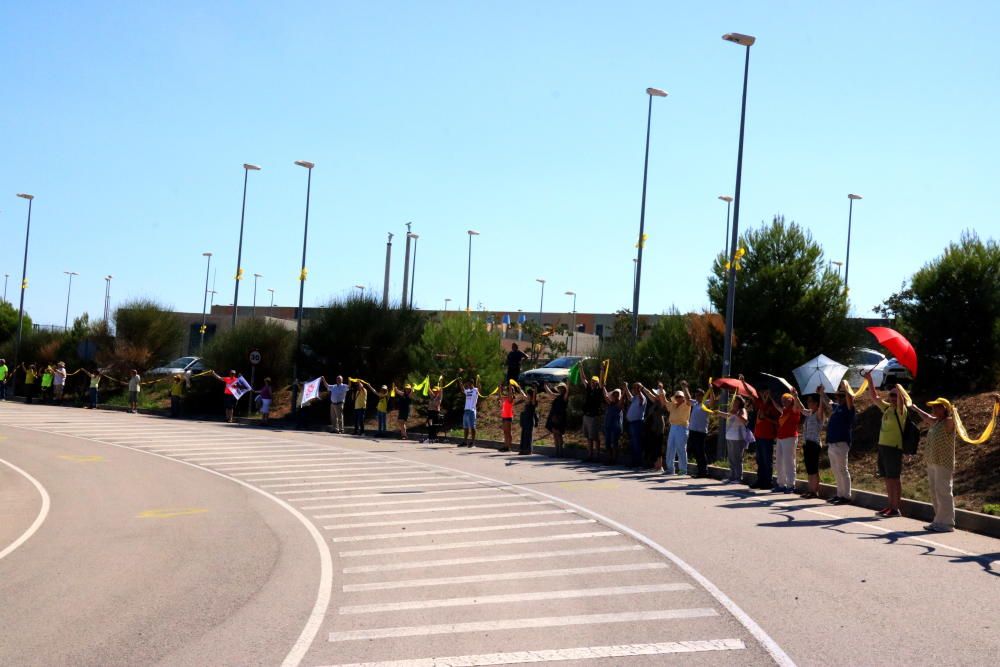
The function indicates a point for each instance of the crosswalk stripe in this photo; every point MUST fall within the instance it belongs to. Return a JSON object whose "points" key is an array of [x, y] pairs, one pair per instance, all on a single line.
{"points": [[496, 492], [522, 624], [500, 558], [478, 543], [286, 459], [358, 475], [289, 452], [263, 446], [347, 483], [384, 486], [448, 519], [502, 576], [561, 654], [513, 598], [304, 467], [447, 508], [458, 531]]}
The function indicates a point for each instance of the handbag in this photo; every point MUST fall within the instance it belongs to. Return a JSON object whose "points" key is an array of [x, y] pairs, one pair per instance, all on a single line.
{"points": [[748, 436], [910, 433]]}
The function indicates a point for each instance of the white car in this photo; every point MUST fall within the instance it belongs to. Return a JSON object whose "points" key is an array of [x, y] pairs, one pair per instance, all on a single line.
{"points": [[180, 365]]}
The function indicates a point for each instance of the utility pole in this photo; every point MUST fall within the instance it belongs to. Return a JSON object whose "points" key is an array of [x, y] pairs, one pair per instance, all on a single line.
{"points": [[388, 260], [406, 266]]}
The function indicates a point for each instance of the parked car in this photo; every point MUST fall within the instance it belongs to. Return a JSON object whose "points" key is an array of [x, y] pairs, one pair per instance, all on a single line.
{"points": [[886, 372], [895, 373], [554, 372], [180, 365]]}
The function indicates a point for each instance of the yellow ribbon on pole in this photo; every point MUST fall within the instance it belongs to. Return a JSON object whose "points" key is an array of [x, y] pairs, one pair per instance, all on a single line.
{"points": [[239, 274], [604, 374], [642, 241], [303, 273]]}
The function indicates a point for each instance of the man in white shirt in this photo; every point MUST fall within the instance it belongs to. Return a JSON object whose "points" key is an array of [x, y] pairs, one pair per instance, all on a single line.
{"points": [[134, 387], [59, 382], [469, 415], [338, 394]]}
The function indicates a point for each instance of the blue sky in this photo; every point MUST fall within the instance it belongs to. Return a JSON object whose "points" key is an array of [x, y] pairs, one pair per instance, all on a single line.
{"points": [[523, 120]]}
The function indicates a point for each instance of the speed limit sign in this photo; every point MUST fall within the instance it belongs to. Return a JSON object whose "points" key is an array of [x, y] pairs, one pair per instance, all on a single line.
{"points": [[254, 357]]}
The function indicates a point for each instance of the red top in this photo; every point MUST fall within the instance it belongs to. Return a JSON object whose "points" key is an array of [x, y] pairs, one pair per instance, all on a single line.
{"points": [[767, 421], [230, 381], [507, 409], [788, 423]]}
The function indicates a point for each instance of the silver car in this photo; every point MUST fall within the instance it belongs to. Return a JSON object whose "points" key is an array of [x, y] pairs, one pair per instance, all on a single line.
{"points": [[554, 372]]}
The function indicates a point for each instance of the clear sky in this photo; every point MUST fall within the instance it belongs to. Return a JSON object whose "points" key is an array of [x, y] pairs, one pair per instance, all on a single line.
{"points": [[523, 120]]}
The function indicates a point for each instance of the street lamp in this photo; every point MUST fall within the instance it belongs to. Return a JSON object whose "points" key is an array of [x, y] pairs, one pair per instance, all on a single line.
{"points": [[651, 93], [468, 280], [270, 310], [573, 294], [24, 277], [247, 168], [850, 213], [361, 288], [107, 298], [69, 289], [204, 302], [302, 274], [541, 301], [838, 265], [253, 309], [729, 202], [413, 270], [446, 302]]}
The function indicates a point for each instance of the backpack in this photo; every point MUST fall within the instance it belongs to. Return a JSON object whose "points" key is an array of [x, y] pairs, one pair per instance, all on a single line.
{"points": [[910, 432]]}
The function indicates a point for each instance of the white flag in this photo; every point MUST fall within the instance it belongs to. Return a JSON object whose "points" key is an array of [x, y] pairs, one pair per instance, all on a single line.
{"points": [[239, 387], [310, 390]]}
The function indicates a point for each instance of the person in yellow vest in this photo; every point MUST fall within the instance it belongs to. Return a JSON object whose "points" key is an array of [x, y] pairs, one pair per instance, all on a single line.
{"points": [[176, 395], [360, 406], [30, 382], [4, 371], [47, 378], [95, 382]]}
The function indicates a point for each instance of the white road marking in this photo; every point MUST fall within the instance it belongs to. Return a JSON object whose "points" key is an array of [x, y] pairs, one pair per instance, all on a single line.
{"points": [[340, 474], [283, 459], [449, 562], [480, 543], [497, 493], [522, 624], [459, 531], [345, 484], [561, 654], [43, 511], [448, 508], [533, 596], [445, 519], [232, 449], [275, 469], [372, 488], [285, 452], [502, 576]]}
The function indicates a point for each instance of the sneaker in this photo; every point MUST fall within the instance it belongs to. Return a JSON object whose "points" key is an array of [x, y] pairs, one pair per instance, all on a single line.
{"points": [[833, 500], [808, 495]]}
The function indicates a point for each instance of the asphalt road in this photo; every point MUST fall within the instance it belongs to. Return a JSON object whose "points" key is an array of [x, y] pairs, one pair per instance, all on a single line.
{"points": [[188, 543]]}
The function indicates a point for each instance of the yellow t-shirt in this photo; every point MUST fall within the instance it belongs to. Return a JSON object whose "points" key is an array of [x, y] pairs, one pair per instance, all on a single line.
{"points": [[679, 414], [177, 389], [29, 377], [889, 434], [383, 403], [361, 400]]}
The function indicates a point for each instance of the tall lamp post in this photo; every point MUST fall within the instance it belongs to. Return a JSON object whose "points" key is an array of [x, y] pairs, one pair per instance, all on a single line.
{"points": [[573, 294], [5, 277], [541, 301], [729, 203], [24, 278], [413, 270], [69, 290], [253, 309], [727, 350], [850, 214], [468, 278], [204, 303], [270, 309], [302, 274], [388, 259], [651, 93], [107, 297], [247, 168]]}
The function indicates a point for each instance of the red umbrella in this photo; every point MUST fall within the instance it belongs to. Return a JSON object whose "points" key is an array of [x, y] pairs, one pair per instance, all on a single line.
{"points": [[898, 345], [734, 384]]}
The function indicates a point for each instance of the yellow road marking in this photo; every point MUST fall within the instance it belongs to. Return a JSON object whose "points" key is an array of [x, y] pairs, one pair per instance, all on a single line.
{"points": [[81, 458], [170, 513]]}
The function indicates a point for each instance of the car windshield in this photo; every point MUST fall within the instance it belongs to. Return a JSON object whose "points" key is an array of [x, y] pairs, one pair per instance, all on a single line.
{"points": [[869, 357], [180, 363], [563, 362]]}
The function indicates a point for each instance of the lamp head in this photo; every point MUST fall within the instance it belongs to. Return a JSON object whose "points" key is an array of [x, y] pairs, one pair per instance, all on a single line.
{"points": [[854, 196], [473, 232], [656, 92], [25, 195], [540, 280], [571, 293], [206, 254], [737, 38], [251, 167], [305, 163], [726, 198], [257, 275]]}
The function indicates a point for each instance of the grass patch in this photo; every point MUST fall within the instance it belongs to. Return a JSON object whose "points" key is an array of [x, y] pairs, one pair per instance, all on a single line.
{"points": [[991, 508]]}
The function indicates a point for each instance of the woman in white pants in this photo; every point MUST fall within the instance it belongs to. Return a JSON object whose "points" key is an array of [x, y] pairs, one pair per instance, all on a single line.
{"points": [[940, 457], [788, 437], [839, 432]]}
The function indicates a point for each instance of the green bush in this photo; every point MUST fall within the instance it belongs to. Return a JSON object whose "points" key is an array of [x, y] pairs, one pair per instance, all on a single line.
{"points": [[231, 350], [147, 334]]}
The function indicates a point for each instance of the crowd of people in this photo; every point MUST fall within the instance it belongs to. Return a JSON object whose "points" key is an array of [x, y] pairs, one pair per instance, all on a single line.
{"points": [[663, 429]]}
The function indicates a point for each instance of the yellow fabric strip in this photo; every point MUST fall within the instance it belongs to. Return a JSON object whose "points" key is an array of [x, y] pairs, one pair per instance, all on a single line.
{"points": [[960, 427]]}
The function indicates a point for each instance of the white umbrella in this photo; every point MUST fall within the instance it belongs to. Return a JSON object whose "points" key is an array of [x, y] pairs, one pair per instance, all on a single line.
{"points": [[820, 371], [878, 372]]}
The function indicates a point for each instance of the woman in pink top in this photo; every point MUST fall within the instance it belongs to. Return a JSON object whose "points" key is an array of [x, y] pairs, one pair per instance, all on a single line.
{"points": [[506, 415]]}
